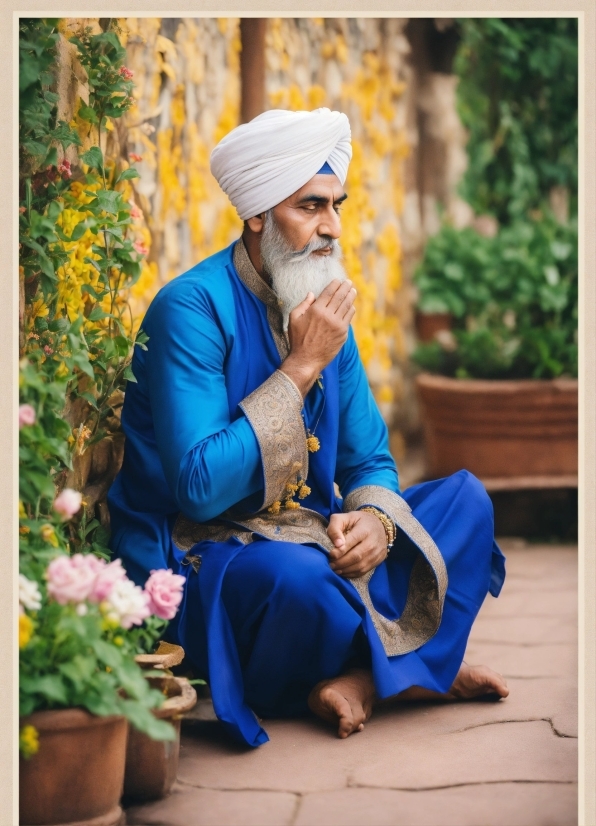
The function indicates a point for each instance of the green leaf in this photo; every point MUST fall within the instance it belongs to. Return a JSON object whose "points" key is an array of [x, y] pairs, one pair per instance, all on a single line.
{"points": [[87, 113], [129, 375], [128, 175], [97, 313], [87, 288], [51, 159], [52, 687], [96, 266], [89, 398], [108, 200], [35, 148], [93, 157]]}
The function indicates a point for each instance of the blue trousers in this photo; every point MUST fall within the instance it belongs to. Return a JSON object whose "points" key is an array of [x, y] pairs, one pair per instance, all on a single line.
{"points": [[264, 622]]}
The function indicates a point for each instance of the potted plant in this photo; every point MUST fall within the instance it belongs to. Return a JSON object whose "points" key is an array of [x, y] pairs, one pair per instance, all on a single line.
{"points": [[499, 392], [79, 629]]}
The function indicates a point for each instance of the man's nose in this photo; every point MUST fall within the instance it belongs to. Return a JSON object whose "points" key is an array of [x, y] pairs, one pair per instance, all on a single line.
{"points": [[330, 224]]}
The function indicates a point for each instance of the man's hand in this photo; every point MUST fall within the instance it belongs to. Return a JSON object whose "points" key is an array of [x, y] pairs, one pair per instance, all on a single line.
{"points": [[317, 330], [360, 542]]}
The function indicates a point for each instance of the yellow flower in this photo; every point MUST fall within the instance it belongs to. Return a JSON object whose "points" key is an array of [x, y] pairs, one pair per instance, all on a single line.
{"points": [[118, 640], [48, 534], [22, 511], [25, 630], [62, 371], [290, 505], [28, 741], [24, 530], [275, 507]]}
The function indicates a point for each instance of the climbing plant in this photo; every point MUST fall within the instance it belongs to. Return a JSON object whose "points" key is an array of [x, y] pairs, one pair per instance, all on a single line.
{"points": [[517, 96], [78, 257]]}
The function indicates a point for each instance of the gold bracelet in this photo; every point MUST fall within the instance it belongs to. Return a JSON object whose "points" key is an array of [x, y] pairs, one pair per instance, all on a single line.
{"points": [[387, 523]]}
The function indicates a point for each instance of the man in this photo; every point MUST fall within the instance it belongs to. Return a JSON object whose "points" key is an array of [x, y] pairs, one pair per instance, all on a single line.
{"points": [[250, 403]]}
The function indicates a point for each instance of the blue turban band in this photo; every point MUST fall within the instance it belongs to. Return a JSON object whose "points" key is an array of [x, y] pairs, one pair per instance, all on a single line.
{"points": [[325, 170]]}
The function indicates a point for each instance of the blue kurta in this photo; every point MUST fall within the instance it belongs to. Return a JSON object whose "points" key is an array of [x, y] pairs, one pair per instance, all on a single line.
{"points": [[265, 620]]}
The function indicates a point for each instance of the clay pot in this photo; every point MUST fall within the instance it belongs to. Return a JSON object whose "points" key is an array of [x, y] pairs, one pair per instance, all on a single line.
{"points": [[501, 429], [167, 656], [427, 324], [152, 765], [77, 775]]}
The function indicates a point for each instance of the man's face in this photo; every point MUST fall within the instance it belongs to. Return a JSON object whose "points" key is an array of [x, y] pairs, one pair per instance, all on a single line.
{"points": [[299, 246], [312, 213]]}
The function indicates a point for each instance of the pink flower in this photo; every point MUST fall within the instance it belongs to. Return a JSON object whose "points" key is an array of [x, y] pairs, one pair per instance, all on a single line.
{"points": [[47, 350], [141, 248], [107, 576], [72, 578], [68, 503], [127, 74], [135, 212], [164, 589], [26, 415], [64, 169], [134, 157]]}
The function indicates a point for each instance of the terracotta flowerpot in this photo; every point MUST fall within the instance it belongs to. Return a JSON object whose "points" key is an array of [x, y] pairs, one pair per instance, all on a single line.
{"points": [[76, 777], [501, 429], [427, 324], [167, 656], [151, 765]]}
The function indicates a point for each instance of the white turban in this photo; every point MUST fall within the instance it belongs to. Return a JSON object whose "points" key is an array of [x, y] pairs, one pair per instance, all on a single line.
{"points": [[261, 163]]}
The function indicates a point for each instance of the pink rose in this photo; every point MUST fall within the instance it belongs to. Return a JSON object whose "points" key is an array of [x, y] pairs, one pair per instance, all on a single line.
{"points": [[72, 578], [107, 576], [164, 589], [26, 415], [134, 157], [68, 503], [127, 74]]}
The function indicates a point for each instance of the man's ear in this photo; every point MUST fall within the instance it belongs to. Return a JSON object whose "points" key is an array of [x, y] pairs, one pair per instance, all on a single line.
{"points": [[255, 224]]}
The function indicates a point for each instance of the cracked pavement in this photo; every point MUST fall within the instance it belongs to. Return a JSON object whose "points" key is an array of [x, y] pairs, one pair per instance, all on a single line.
{"points": [[507, 763]]}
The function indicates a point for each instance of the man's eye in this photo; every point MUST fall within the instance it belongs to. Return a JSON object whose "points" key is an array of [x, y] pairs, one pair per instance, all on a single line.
{"points": [[309, 207]]}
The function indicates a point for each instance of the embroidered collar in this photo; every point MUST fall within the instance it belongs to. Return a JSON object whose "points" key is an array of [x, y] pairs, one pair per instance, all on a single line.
{"points": [[251, 278]]}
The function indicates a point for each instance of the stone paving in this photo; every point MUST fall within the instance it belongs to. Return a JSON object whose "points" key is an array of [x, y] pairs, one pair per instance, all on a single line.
{"points": [[507, 763]]}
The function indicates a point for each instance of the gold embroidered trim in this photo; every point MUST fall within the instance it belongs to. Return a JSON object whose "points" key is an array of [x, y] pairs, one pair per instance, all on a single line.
{"points": [[423, 610], [253, 281], [301, 526], [187, 533], [273, 410]]}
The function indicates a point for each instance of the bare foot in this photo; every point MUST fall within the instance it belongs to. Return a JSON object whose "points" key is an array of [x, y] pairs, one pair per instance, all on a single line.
{"points": [[347, 699], [476, 680], [471, 681]]}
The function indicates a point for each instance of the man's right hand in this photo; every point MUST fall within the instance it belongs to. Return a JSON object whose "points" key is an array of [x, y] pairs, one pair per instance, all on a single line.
{"points": [[317, 330]]}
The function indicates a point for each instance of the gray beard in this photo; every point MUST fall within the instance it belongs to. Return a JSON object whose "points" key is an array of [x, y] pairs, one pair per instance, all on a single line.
{"points": [[295, 274]]}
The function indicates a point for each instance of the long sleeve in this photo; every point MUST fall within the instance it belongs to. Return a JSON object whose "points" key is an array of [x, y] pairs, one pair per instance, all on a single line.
{"points": [[212, 460]]}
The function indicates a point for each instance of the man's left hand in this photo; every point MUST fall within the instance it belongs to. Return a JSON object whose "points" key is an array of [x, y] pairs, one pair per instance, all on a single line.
{"points": [[360, 543]]}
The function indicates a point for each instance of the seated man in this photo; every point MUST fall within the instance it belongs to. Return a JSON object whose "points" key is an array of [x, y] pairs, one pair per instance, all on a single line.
{"points": [[250, 403]]}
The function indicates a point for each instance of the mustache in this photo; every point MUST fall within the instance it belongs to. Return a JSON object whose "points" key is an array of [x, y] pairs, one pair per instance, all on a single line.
{"points": [[320, 243]]}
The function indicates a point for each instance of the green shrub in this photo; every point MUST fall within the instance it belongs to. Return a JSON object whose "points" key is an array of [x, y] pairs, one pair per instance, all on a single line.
{"points": [[513, 299]]}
